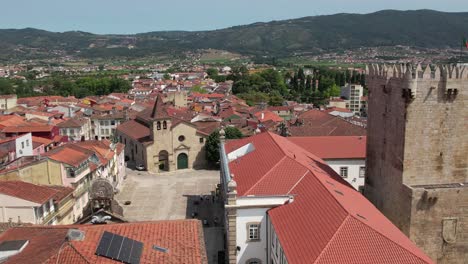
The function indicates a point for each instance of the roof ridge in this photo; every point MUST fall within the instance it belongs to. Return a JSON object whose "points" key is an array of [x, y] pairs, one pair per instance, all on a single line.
{"points": [[382, 235], [332, 238], [300, 180], [267, 173], [67, 243]]}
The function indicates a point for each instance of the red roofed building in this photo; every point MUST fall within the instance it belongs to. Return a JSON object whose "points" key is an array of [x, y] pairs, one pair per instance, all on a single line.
{"points": [[319, 123], [266, 115], [177, 241], [285, 205], [162, 138], [345, 155], [36, 204]]}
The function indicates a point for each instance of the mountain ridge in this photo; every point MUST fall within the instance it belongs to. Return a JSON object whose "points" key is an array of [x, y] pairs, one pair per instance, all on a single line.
{"points": [[311, 34]]}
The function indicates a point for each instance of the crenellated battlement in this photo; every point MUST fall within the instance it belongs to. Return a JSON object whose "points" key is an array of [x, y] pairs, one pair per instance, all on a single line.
{"points": [[428, 72], [443, 83]]}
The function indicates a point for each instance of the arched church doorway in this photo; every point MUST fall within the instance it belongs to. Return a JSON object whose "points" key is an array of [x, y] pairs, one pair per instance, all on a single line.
{"points": [[163, 160], [182, 161]]}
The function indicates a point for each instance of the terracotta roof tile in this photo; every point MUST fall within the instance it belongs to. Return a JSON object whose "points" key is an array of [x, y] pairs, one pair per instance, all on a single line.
{"points": [[319, 123], [183, 239], [70, 154], [134, 129], [28, 191], [338, 147], [328, 221]]}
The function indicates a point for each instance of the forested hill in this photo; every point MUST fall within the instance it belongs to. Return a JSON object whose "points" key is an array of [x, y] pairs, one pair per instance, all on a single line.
{"points": [[421, 28]]}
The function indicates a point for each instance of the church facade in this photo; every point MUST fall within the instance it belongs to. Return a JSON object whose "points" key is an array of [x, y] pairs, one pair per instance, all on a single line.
{"points": [[161, 142]]}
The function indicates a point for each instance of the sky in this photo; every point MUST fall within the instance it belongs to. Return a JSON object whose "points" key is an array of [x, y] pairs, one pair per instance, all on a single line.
{"points": [[136, 16]]}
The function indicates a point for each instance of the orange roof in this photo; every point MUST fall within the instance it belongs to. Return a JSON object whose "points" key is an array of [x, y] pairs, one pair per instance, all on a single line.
{"points": [[48, 244], [327, 221], [70, 154], [335, 147], [27, 191], [26, 129], [267, 115], [338, 109], [101, 149], [11, 120]]}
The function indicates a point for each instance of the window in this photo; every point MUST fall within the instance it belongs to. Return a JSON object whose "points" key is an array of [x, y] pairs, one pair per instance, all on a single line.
{"points": [[113, 122], [362, 172], [344, 172], [102, 130], [253, 231], [101, 122], [22, 145], [164, 125], [158, 125], [202, 140], [27, 143], [253, 261], [181, 138]]}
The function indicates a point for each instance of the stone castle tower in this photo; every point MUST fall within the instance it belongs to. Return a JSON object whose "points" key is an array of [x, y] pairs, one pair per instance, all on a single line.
{"points": [[417, 154]]}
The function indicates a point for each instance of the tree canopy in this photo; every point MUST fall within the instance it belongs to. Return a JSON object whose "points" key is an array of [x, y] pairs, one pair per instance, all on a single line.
{"points": [[212, 143]]}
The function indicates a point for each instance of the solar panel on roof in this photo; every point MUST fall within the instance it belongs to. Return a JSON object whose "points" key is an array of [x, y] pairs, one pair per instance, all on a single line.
{"points": [[136, 252], [104, 244], [119, 248], [126, 249], [114, 249]]}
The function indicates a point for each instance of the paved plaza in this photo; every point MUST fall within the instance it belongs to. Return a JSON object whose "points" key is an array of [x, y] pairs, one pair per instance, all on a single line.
{"points": [[175, 195]]}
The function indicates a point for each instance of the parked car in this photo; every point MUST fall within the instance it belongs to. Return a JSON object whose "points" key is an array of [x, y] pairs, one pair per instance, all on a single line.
{"points": [[140, 167]]}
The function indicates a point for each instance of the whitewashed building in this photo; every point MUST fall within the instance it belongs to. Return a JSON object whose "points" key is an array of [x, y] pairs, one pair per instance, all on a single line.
{"points": [[284, 205], [346, 155]]}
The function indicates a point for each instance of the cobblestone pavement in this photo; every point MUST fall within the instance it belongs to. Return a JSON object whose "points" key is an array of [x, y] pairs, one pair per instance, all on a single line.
{"points": [[176, 195]]}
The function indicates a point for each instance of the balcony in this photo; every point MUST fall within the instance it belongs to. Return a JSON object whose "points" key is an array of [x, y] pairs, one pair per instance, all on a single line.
{"points": [[81, 190], [65, 208], [46, 219]]}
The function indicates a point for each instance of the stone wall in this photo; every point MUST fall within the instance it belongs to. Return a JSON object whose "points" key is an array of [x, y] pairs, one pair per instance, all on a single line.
{"points": [[416, 142], [431, 207]]}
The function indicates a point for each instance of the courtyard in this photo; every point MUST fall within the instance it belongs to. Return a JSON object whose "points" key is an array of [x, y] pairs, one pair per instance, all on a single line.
{"points": [[175, 195]]}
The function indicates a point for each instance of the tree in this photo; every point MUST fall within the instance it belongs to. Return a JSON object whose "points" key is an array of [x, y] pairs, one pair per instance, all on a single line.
{"points": [[212, 72], [166, 76], [6, 87], [212, 142], [198, 89]]}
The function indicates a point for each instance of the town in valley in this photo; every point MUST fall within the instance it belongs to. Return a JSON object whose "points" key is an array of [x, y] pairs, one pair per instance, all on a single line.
{"points": [[324, 139]]}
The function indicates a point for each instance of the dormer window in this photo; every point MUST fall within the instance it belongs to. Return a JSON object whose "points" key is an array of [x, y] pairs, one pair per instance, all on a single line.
{"points": [[158, 125], [164, 125]]}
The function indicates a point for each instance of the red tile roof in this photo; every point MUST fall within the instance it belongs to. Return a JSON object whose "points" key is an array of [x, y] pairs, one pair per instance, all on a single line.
{"points": [[328, 221], [48, 244], [339, 147], [267, 115], [27, 191], [320, 123], [134, 129], [338, 109], [70, 154], [27, 129]]}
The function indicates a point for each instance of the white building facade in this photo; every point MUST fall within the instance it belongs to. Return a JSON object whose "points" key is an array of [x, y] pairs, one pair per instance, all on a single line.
{"points": [[353, 94]]}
